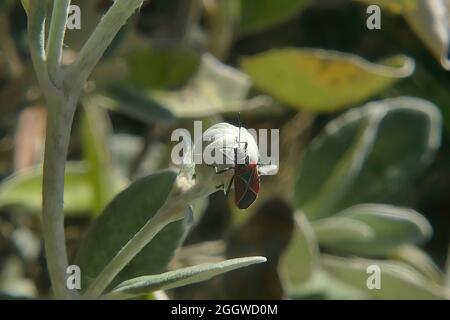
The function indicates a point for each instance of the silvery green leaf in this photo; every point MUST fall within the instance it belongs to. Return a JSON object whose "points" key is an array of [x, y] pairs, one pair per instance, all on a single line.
{"points": [[365, 156], [300, 260], [336, 229], [398, 281], [391, 227], [419, 260], [179, 278], [323, 286], [122, 218]]}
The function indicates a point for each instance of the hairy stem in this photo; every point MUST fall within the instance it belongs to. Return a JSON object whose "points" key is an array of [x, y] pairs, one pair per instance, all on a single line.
{"points": [[56, 39], [36, 39], [56, 146], [58, 132], [61, 92], [79, 72]]}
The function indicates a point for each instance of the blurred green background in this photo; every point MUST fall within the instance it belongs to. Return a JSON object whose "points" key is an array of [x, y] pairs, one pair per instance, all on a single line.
{"points": [[364, 119]]}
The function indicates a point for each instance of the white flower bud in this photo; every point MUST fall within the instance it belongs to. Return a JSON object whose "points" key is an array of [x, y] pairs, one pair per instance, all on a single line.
{"points": [[220, 148]]}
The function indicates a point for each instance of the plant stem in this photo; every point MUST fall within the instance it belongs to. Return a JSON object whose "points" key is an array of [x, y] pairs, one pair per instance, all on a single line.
{"points": [[171, 211], [56, 146], [56, 39], [58, 131], [36, 39], [78, 73], [61, 92]]}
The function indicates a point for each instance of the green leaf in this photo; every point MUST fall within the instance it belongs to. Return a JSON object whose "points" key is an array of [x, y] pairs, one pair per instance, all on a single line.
{"points": [[323, 286], [395, 6], [161, 67], [24, 189], [391, 227], [420, 261], [95, 132], [366, 155], [330, 231], [133, 103], [26, 5], [122, 218], [263, 14], [398, 281], [215, 88], [179, 278], [301, 257], [320, 80], [428, 19]]}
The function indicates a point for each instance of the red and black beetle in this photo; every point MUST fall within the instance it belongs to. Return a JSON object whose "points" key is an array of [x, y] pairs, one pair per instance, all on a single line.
{"points": [[245, 178]]}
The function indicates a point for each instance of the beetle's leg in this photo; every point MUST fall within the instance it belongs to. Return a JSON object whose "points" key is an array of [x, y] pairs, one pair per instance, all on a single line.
{"points": [[222, 186], [219, 171], [224, 170], [227, 192]]}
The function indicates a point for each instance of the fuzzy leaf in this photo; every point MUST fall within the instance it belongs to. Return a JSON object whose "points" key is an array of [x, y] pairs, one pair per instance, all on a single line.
{"points": [[330, 231], [398, 281], [365, 156], [120, 220], [419, 260], [391, 227], [301, 257], [180, 277]]}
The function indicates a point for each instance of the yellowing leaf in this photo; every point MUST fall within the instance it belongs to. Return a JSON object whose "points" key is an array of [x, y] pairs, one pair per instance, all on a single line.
{"points": [[320, 80]]}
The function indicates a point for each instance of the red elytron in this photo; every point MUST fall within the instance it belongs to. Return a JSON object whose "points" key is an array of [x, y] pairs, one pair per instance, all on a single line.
{"points": [[246, 184]]}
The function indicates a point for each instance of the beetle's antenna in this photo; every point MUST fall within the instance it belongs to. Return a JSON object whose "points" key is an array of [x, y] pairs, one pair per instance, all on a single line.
{"points": [[240, 125]]}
